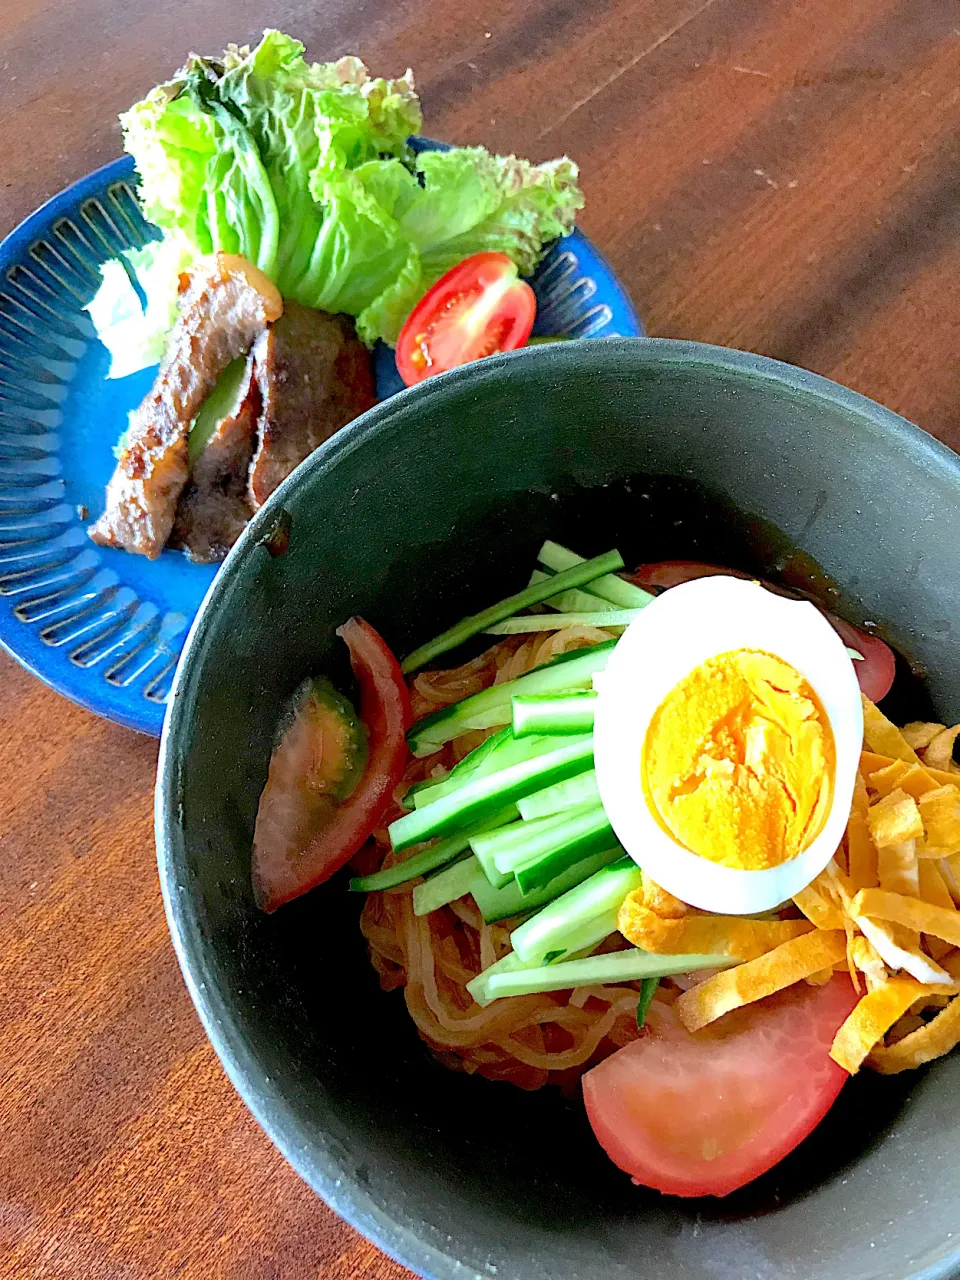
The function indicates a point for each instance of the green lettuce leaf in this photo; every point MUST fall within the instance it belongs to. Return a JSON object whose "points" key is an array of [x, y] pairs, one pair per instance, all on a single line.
{"points": [[306, 170], [469, 201], [172, 142], [229, 151]]}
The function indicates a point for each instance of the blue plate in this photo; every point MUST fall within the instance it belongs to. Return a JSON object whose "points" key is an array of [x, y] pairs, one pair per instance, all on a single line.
{"points": [[103, 627]]}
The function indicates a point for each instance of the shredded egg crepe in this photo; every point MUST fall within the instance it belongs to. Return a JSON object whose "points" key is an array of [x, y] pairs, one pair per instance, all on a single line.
{"points": [[885, 909]]}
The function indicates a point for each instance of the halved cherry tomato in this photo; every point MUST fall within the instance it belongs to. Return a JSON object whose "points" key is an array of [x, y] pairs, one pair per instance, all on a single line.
{"points": [[875, 673], [477, 309], [298, 843], [703, 1114]]}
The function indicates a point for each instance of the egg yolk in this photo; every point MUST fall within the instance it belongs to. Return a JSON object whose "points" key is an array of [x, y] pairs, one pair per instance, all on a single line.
{"points": [[738, 762]]}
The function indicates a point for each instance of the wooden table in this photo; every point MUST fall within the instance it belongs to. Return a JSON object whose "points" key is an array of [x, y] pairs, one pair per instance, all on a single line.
{"points": [[775, 176]]}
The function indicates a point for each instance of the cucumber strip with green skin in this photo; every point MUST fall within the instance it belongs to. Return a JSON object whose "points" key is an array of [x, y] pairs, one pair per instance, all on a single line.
{"points": [[576, 575], [530, 842], [492, 707], [480, 798], [581, 942], [407, 802], [570, 713], [613, 966], [562, 797], [604, 891], [446, 886], [575, 601], [477, 756], [478, 985], [509, 963], [427, 860], [516, 843], [616, 590], [648, 989], [533, 622], [508, 750], [585, 935], [506, 903], [593, 834], [462, 770], [421, 864], [498, 879], [523, 842]]}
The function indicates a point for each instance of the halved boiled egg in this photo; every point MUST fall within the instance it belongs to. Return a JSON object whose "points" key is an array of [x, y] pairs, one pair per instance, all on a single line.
{"points": [[727, 737]]}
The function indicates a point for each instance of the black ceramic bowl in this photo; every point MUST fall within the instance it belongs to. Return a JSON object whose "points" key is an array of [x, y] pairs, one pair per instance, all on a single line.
{"points": [[431, 504]]}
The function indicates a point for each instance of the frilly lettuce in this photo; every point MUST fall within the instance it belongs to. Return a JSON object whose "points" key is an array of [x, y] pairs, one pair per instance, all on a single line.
{"points": [[306, 170], [469, 201]]}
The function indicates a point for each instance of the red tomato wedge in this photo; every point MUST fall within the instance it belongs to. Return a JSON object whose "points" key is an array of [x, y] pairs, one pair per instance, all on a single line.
{"points": [[302, 838], [703, 1114], [477, 309], [875, 673]]}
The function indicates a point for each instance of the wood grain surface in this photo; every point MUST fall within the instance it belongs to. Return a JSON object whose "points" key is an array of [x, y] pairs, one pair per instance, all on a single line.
{"points": [[779, 176]]}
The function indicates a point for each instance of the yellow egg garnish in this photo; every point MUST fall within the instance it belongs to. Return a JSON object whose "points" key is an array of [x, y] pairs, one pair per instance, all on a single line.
{"points": [[728, 730], [739, 761]]}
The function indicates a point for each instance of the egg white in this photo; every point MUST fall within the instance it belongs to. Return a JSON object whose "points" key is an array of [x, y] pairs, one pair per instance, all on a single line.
{"points": [[676, 632]]}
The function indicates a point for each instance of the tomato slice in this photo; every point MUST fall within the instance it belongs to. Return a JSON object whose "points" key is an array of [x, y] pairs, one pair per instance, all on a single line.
{"points": [[879, 666], [875, 673], [300, 840], [704, 1114], [477, 309]]}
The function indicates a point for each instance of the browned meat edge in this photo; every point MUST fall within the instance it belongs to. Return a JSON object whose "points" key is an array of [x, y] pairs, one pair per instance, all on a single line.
{"points": [[315, 376], [222, 314]]}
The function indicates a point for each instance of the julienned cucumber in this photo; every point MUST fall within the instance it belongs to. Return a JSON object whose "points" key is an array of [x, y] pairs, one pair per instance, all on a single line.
{"points": [[575, 601], [571, 794], [446, 886], [508, 750], [506, 964], [480, 798], [470, 763], [579, 942], [616, 590], [519, 842], [526, 842], [461, 771], [427, 860], [603, 892], [498, 879], [613, 966], [568, 713], [421, 864], [536, 852], [492, 708], [504, 904], [576, 575], [466, 877], [533, 622], [585, 834]]}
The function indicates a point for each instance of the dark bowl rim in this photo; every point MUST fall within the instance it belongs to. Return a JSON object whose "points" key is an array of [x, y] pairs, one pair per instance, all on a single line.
{"points": [[317, 1165]]}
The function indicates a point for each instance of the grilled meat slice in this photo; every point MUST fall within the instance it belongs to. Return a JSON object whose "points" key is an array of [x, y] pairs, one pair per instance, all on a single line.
{"points": [[315, 376], [222, 313], [214, 507]]}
